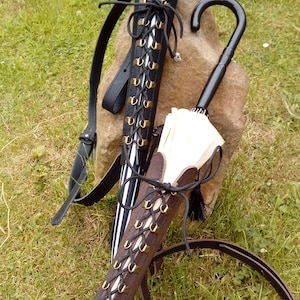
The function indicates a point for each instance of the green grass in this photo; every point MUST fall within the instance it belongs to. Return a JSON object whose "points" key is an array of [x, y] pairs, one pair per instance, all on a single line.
{"points": [[45, 57]]}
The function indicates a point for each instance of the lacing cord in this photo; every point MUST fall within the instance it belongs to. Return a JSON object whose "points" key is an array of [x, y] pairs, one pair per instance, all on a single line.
{"points": [[160, 5], [162, 188]]}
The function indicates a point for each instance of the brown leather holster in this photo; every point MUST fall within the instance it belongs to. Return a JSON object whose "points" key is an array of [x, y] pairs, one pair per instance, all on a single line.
{"points": [[144, 234]]}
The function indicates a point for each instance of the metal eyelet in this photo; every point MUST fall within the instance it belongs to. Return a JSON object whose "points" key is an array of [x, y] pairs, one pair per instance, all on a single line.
{"points": [[154, 227], [138, 62], [147, 104], [128, 140], [144, 123], [132, 100], [148, 204], [150, 84], [153, 65], [156, 46], [144, 248], [142, 22], [130, 121], [122, 287], [116, 265], [159, 25], [138, 224], [142, 142], [133, 268], [135, 81], [105, 285], [141, 43], [127, 245], [164, 208]]}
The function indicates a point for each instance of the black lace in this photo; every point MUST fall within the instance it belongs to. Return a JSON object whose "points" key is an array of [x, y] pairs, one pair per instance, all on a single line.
{"points": [[158, 5]]}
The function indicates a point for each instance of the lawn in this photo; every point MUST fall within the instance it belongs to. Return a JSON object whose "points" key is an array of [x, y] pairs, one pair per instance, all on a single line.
{"points": [[45, 57]]}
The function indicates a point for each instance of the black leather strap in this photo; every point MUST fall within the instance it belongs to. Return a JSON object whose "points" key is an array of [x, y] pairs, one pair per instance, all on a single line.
{"points": [[88, 136], [115, 94], [97, 193], [237, 252]]}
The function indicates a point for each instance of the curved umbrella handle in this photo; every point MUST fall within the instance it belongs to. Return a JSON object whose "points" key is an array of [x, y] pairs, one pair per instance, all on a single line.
{"points": [[224, 60]]}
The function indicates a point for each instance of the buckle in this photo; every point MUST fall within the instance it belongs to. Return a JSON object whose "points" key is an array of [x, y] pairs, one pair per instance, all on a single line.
{"points": [[88, 137]]}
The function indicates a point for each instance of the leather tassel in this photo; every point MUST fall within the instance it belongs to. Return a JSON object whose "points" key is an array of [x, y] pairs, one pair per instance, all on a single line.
{"points": [[196, 210]]}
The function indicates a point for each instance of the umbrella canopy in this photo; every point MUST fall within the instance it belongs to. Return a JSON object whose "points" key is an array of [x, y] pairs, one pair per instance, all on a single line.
{"points": [[188, 139]]}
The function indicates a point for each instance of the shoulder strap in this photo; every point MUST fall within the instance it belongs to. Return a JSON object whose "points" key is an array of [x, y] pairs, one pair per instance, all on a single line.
{"points": [[88, 136], [235, 251]]}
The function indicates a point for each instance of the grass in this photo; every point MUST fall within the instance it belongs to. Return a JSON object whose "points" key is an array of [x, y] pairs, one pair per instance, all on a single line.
{"points": [[45, 57]]}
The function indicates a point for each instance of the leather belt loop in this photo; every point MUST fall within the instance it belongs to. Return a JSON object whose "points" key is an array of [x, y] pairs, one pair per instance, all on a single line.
{"points": [[115, 95]]}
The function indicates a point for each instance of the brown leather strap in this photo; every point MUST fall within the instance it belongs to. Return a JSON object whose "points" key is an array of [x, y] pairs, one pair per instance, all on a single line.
{"points": [[144, 290], [237, 252], [148, 224]]}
